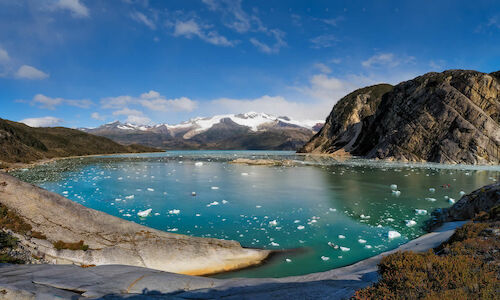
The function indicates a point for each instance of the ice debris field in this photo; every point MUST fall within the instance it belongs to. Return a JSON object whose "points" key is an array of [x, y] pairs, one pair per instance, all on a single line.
{"points": [[324, 213]]}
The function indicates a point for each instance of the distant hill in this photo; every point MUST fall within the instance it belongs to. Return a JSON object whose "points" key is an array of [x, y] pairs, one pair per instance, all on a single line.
{"points": [[20, 143], [255, 131], [448, 117]]}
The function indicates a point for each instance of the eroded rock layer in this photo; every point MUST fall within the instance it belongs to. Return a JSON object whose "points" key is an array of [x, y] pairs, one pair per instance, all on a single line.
{"points": [[448, 117]]}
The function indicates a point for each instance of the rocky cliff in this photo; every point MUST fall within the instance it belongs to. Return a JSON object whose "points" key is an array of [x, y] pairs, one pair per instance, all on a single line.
{"points": [[448, 117]]}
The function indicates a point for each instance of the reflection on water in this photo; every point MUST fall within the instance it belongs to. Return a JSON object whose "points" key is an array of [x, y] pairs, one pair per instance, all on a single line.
{"points": [[348, 204]]}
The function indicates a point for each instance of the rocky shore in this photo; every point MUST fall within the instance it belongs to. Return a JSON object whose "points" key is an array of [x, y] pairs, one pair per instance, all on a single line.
{"points": [[69, 233]]}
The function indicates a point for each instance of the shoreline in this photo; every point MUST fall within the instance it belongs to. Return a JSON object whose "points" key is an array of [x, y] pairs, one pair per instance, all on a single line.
{"points": [[112, 240], [125, 281]]}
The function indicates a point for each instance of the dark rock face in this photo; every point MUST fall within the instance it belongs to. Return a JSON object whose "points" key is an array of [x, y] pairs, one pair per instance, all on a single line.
{"points": [[481, 200], [448, 117]]}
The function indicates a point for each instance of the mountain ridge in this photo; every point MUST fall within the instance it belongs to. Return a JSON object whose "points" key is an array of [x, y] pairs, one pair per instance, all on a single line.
{"points": [[251, 130], [447, 117]]}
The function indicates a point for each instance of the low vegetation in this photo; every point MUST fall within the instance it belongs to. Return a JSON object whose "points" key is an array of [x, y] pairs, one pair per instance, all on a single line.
{"points": [[59, 245], [23, 144], [7, 243], [10, 220], [467, 266]]}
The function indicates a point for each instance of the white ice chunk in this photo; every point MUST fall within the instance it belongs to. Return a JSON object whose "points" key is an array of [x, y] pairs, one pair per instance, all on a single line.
{"points": [[300, 227], [273, 223], [345, 249], [274, 244], [462, 193], [432, 190], [341, 236], [451, 200], [150, 189], [361, 241], [410, 223], [420, 211], [430, 199], [325, 258], [244, 174], [174, 211], [129, 197], [215, 188], [393, 234], [288, 260], [144, 213], [364, 217], [396, 193], [394, 187], [198, 164], [213, 203], [224, 201]]}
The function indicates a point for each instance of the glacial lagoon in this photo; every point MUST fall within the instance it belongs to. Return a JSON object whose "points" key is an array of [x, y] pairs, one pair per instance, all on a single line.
{"points": [[323, 213]]}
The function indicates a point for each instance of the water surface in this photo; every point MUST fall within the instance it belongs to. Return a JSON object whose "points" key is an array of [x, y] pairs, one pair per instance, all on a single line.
{"points": [[320, 200]]}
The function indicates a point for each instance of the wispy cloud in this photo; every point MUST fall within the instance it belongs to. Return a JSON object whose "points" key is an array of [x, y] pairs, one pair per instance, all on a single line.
{"points": [[97, 116], [45, 102], [77, 9], [323, 68], [323, 41], [142, 18], [273, 48], [386, 60], [29, 72], [133, 116], [191, 28], [4, 56], [42, 122]]}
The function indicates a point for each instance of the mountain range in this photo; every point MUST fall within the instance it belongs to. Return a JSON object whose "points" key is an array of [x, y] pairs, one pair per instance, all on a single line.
{"points": [[256, 131]]}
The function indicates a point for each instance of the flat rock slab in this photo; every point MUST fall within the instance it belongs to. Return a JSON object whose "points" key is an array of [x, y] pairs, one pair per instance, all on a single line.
{"points": [[112, 240], [120, 281]]}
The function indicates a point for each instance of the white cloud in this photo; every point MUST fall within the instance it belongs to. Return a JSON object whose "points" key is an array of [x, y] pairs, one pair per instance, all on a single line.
{"points": [[275, 48], [97, 116], [142, 18], [323, 41], [154, 101], [77, 9], [133, 116], [323, 68], [4, 56], [42, 122], [386, 60], [29, 72], [116, 102], [191, 28], [43, 101]]}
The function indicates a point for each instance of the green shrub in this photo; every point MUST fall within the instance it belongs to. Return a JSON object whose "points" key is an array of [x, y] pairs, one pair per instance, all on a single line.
{"points": [[10, 220]]}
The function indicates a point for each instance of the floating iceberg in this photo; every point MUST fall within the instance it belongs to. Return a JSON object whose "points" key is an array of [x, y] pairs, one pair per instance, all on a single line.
{"points": [[432, 190], [300, 227], [288, 260], [213, 203], [215, 188], [394, 187], [244, 174], [150, 189], [420, 211], [345, 249], [462, 193], [361, 241], [451, 200], [430, 199], [273, 223], [393, 234], [129, 197], [341, 236], [274, 244], [174, 211], [396, 193], [198, 164], [410, 223], [144, 213], [325, 258]]}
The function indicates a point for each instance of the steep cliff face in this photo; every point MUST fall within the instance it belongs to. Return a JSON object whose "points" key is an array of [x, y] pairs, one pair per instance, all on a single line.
{"points": [[448, 117]]}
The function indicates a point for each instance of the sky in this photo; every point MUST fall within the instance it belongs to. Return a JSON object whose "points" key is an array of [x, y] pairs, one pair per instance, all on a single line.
{"points": [[82, 63]]}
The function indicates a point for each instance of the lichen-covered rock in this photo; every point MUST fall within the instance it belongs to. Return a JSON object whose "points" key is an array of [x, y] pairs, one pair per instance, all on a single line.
{"points": [[448, 117]]}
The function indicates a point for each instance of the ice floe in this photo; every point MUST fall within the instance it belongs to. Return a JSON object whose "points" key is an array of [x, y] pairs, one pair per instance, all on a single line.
{"points": [[430, 199], [215, 188], [345, 249], [410, 223], [273, 223], [394, 187], [420, 211], [393, 234], [198, 163], [213, 203], [129, 197], [361, 241], [174, 211], [325, 258], [300, 227], [341, 236], [144, 213]]}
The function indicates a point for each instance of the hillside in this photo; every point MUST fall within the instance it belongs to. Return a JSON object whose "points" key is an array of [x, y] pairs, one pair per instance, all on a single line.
{"points": [[24, 144], [448, 117], [256, 131]]}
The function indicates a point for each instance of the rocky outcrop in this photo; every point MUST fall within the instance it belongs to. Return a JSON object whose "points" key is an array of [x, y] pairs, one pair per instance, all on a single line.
{"points": [[111, 240], [448, 117]]}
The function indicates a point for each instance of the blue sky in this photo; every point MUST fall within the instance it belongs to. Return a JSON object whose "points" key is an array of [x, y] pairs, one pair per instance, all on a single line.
{"points": [[82, 63]]}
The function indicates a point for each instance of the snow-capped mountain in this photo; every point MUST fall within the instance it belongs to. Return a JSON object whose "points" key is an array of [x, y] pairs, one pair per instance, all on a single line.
{"points": [[232, 131]]}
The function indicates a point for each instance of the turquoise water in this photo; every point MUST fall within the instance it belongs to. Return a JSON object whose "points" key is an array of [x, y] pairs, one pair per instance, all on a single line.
{"points": [[300, 208]]}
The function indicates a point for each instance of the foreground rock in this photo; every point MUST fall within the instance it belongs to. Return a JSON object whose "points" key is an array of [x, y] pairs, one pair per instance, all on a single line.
{"points": [[448, 117], [469, 206], [118, 281], [111, 240]]}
